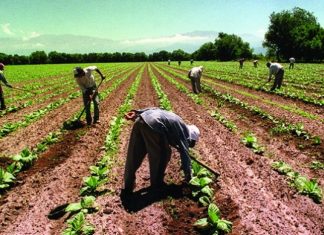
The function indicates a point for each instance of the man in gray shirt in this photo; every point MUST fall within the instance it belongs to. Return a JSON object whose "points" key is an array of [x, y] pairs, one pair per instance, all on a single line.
{"points": [[88, 86], [195, 75], [154, 131], [277, 70]]}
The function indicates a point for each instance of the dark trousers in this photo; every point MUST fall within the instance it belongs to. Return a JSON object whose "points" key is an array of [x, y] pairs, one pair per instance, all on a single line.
{"points": [[2, 103], [87, 105], [278, 79], [144, 140]]}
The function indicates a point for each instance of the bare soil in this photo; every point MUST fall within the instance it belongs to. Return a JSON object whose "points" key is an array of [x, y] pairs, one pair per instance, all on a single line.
{"points": [[248, 192]]}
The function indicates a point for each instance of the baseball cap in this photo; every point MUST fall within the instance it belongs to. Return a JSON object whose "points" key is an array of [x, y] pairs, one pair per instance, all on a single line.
{"points": [[193, 132]]}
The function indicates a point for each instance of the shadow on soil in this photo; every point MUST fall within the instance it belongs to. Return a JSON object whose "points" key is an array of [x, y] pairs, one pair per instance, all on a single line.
{"points": [[140, 199]]}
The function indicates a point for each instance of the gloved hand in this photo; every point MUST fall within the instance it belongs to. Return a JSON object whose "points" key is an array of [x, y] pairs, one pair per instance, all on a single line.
{"points": [[8, 85]]}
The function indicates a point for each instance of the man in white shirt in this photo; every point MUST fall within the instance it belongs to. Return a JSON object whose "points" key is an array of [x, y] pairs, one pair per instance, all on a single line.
{"points": [[88, 86], [195, 75], [255, 63], [291, 62], [277, 70]]}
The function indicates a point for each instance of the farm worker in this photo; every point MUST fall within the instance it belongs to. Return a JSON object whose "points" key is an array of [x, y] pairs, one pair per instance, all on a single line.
{"points": [[241, 61], [179, 62], [277, 70], [88, 86], [195, 75], [291, 62], [255, 63], [154, 131], [169, 61], [2, 79], [191, 61]]}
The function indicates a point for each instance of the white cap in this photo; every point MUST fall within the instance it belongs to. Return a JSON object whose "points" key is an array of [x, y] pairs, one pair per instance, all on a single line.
{"points": [[193, 132]]}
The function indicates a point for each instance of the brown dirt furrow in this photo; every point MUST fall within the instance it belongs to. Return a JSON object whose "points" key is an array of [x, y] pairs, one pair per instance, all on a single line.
{"points": [[260, 199], [26, 206], [283, 148], [310, 125], [35, 132], [151, 213], [19, 115]]}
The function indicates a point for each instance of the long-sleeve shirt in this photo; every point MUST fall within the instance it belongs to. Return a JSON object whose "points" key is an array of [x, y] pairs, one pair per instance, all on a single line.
{"points": [[87, 81], [3, 79], [195, 72], [174, 128], [274, 68]]}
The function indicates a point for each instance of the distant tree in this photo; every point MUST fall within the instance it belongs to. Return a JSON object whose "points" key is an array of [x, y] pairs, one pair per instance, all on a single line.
{"points": [[205, 52], [38, 57], [180, 55], [229, 47], [295, 33]]}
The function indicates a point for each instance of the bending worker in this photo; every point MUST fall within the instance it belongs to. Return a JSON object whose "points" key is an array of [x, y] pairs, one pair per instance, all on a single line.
{"points": [[2, 79], [195, 75], [277, 70], [88, 86], [154, 131]]}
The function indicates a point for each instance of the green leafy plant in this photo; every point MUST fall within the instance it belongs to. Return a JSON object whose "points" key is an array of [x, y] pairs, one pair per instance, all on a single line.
{"points": [[91, 185], [79, 226], [86, 205], [6, 178], [316, 165], [101, 171], [214, 221], [26, 157], [301, 183], [250, 141]]}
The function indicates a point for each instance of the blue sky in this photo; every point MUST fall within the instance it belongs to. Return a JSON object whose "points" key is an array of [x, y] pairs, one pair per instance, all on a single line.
{"points": [[135, 25]]}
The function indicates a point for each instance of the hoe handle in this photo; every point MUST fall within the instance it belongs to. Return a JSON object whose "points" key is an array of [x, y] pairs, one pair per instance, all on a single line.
{"points": [[204, 165], [89, 100]]}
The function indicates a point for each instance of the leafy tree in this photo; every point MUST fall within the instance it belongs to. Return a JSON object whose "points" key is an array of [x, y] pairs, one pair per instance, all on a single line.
{"points": [[205, 52], [38, 57], [180, 55], [229, 47], [295, 33]]}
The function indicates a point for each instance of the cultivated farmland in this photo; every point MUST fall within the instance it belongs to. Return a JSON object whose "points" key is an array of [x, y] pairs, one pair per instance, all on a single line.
{"points": [[267, 147]]}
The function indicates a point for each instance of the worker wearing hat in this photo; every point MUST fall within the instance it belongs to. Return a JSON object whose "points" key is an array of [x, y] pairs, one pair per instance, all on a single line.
{"points": [[88, 86], [2, 79], [154, 131]]}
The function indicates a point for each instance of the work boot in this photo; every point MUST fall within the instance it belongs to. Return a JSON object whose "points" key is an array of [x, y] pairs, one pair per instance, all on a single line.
{"points": [[3, 107]]}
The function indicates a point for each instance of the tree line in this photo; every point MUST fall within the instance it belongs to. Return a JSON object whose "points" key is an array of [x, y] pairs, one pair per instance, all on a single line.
{"points": [[294, 33]]}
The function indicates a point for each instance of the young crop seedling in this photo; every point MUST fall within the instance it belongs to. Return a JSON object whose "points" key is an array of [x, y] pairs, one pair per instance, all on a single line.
{"points": [[79, 226], [213, 222], [250, 141], [301, 183]]}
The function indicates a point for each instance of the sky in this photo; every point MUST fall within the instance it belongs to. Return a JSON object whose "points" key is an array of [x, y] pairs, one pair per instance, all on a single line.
{"points": [[82, 26]]}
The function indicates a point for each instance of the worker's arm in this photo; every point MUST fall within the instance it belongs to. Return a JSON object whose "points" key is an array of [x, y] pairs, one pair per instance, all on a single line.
{"points": [[185, 160], [102, 76], [3, 79]]}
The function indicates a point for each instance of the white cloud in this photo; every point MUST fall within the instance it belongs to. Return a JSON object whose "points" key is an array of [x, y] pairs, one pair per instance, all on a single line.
{"points": [[6, 29], [30, 36], [177, 38]]}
